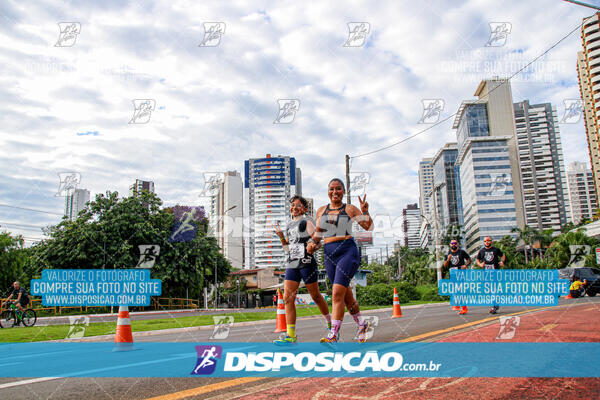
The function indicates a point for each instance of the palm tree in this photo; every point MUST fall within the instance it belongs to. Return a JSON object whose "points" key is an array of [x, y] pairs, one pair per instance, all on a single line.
{"points": [[525, 236], [561, 247], [545, 238]]}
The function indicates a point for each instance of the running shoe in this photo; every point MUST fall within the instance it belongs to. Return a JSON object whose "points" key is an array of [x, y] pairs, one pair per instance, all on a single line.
{"points": [[362, 331], [285, 340], [330, 338], [492, 310], [463, 311]]}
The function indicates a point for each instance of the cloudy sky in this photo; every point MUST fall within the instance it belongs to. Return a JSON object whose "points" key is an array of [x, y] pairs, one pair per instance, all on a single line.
{"points": [[66, 102]]}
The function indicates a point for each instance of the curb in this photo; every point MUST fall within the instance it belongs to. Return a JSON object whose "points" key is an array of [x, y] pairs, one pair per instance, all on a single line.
{"points": [[210, 327]]}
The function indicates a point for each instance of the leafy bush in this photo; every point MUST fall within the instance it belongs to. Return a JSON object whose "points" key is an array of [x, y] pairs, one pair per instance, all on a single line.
{"points": [[380, 294], [432, 295], [409, 290]]}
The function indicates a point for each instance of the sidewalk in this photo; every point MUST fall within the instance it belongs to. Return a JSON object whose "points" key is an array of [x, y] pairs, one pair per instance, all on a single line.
{"points": [[570, 323]]}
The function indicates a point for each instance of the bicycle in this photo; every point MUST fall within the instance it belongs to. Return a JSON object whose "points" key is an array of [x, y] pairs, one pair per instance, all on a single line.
{"points": [[13, 316]]}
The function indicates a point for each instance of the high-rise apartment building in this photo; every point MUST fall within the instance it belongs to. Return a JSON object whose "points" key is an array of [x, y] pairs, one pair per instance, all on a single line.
{"points": [[140, 185], [75, 201], [411, 222], [269, 183], [425, 202], [582, 193], [226, 211], [588, 70], [542, 167]]}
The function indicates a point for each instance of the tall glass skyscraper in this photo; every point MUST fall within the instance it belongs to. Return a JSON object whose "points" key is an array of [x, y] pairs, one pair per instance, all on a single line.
{"points": [[446, 187], [490, 178], [269, 183], [485, 177]]}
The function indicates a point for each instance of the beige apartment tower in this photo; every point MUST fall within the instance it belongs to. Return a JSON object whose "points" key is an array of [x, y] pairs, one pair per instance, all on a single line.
{"points": [[588, 70]]}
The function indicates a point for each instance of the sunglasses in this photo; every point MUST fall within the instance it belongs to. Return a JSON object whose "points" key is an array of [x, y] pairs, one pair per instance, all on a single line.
{"points": [[453, 243]]}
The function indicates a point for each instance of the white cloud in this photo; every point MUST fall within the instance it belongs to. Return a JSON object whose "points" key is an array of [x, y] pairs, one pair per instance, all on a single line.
{"points": [[216, 105]]}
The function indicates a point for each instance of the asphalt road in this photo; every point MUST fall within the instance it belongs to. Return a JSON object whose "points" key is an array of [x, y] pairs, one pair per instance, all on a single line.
{"points": [[425, 322]]}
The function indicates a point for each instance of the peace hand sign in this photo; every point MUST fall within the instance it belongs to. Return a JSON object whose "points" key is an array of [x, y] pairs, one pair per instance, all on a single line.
{"points": [[277, 229], [364, 206]]}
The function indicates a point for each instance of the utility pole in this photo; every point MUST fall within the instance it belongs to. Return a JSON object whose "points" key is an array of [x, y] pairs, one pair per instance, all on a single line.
{"points": [[438, 263], [399, 261], [348, 196], [580, 3], [387, 254], [216, 287]]}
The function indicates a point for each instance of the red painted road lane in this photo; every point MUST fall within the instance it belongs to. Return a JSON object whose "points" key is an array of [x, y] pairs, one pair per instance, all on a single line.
{"points": [[577, 323], [434, 388]]}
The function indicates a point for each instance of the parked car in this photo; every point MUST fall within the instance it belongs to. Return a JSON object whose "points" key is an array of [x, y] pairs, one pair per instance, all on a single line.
{"points": [[592, 275]]}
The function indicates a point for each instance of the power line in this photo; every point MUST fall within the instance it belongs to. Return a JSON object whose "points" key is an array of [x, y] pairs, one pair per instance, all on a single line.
{"points": [[30, 209], [21, 225], [487, 94]]}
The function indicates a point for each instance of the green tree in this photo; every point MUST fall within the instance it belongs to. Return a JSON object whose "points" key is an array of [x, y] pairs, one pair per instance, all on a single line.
{"points": [[525, 236], [564, 244], [108, 233], [13, 262], [514, 258], [544, 238]]}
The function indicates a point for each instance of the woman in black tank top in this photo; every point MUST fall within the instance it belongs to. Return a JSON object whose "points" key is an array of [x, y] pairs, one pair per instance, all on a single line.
{"points": [[334, 225]]}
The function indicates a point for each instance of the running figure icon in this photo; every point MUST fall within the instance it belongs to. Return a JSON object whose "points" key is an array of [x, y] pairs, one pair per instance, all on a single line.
{"points": [[207, 359]]}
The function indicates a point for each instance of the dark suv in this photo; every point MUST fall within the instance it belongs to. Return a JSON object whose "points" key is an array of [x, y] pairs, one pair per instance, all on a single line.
{"points": [[592, 275]]}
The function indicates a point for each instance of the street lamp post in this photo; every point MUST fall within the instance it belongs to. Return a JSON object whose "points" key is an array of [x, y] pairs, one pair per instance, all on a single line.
{"points": [[216, 287], [237, 281], [435, 243]]}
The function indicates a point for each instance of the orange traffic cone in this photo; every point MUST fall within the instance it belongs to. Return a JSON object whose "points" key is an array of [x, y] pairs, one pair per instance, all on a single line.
{"points": [[280, 325], [397, 312], [123, 338]]}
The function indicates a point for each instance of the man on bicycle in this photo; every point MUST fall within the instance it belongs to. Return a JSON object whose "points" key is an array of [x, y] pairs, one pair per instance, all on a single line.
{"points": [[21, 296]]}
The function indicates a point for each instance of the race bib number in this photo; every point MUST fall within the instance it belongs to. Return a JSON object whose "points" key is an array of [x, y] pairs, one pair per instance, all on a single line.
{"points": [[490, 266], [297, 251]]}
